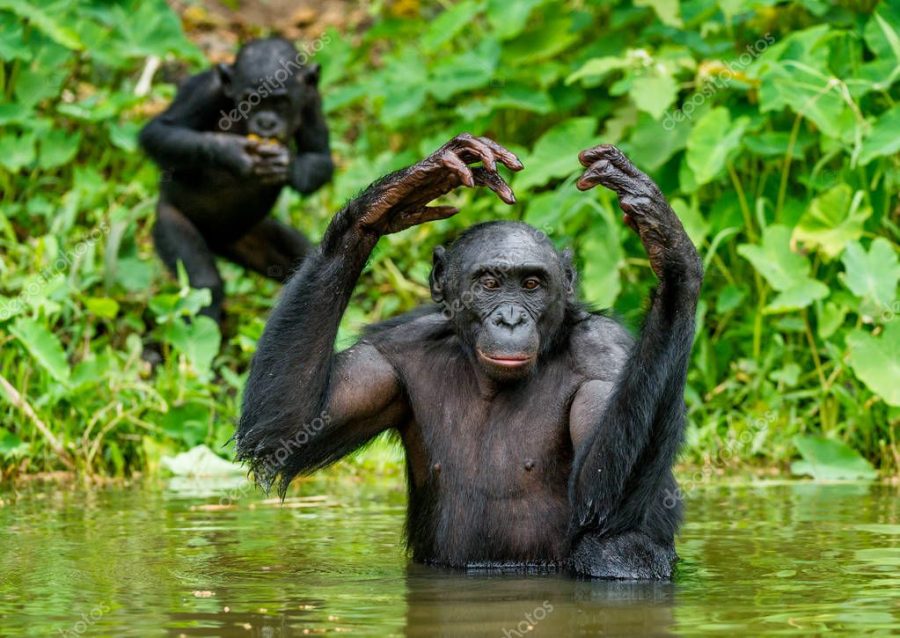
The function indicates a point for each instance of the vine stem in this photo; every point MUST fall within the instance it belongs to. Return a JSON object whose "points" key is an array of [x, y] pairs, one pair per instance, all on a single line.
{"points": [[22, 403]]}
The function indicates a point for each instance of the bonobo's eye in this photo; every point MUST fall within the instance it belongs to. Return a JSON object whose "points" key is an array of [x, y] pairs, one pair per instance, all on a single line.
{"points": [[532, 283], [489, 283]]}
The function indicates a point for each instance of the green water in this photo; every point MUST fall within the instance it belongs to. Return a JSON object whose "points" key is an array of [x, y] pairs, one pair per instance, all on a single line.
{"points": [[195, 559]]}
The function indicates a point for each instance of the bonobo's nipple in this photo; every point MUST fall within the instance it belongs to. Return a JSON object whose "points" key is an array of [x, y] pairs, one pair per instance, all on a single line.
{"points": [[529, 465], [437, 468]]}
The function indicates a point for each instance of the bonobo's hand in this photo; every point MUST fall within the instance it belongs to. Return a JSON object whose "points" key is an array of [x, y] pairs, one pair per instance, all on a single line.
{"points": [[402, 199], [645, 207], [245, 157]]}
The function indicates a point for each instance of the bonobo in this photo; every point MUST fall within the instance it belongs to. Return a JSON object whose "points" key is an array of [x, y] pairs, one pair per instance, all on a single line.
{"points": [[537, 434], [233, 136]]}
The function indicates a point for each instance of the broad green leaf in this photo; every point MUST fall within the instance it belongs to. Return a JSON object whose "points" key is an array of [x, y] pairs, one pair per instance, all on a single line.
{"points": [[556, 153], [833, 219], [872, 275], [199, 341], [51, 26], [654, 93], [831, 317], [448, 23], [12, 41], [102, 307], [464, 72], [17, 151], [598, 67], [694, 224], [883, 140], [830, 460], [11, 446], [43, 346], [797, 297], [652, 143], [876, 361], [508, 19], [58, 147], [711, 142], [200, 461], [775, 260], [730, 298], [882, 32], [603, 257], [667, 10]]}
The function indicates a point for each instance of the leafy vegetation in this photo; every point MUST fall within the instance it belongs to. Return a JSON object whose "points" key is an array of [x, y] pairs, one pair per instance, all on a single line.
{"points": [[773, 127]]}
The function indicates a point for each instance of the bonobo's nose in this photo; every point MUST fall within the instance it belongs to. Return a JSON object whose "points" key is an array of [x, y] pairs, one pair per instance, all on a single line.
{"points": [[266, 122], [509, 316]]}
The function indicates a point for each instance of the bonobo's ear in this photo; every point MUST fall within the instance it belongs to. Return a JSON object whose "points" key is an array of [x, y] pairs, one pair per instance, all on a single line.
{"points": [[568, 271], [226, 74], [310, 74], [438, 273]]}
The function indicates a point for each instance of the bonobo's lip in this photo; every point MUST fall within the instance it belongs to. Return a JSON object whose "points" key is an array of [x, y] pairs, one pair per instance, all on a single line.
{"points": [[507, 360]]}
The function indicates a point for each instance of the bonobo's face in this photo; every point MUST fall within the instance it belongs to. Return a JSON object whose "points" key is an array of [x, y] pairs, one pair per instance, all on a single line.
{"points": [[270, 87], [505, 287]]}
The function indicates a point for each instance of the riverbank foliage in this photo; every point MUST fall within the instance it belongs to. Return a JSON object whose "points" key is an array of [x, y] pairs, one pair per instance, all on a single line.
{"points": [[773, 127]]}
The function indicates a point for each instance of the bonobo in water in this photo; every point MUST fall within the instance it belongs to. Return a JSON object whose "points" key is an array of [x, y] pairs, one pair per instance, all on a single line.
{"points": [[536, 433], [233, 136]]}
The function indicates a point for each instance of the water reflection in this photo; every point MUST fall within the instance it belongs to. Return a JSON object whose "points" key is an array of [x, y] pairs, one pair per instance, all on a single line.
{"points": [[176, 560]]}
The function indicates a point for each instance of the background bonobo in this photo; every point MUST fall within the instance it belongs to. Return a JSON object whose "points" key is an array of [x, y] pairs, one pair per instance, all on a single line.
{"points": [[219, 184], [536, 433]]}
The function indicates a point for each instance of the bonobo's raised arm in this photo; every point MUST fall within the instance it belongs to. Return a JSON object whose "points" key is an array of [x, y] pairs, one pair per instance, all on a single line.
{"points": [[634, 437], [305, 407]]}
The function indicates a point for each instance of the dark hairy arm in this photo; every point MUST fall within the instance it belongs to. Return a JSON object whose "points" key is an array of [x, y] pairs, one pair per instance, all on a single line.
{"points": [[313, 166], [183, 137], [634, 426], [305, 406]]}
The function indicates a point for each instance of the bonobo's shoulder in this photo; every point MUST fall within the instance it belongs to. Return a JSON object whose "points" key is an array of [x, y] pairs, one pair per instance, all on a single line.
{"points": [[425, 324], [599, 346]]}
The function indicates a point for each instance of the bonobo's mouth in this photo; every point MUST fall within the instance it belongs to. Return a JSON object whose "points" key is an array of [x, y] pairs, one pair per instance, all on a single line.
{"points": [[507, 360]]}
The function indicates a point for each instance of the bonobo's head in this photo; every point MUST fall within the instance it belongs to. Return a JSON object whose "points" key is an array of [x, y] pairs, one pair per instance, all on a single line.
{"points": [[507, 290], [269, 83]]}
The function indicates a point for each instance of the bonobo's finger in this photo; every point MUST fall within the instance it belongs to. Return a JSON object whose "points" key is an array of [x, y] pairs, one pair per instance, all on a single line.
{"points": [[605, 173], [271, 150], [508, 158], [474, 150], [455, 164], [610, 153], [484, 177], [428, 214]]}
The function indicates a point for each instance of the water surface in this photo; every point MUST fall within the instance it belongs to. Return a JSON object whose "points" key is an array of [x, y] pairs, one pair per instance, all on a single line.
{"points": [[196, 559]]}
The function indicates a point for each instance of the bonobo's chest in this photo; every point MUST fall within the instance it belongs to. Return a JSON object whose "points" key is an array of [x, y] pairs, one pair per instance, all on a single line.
{"points": [[503, 442]]}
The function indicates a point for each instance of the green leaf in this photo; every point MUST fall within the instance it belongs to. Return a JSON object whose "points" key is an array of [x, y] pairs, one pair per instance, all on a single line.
{"points": [[872, 275], [797, 297], [883, 140], [711, 142], [654, 92], [448, 23], [199, 341], [17, 151], [876, 361], [11, 446], [829, 460], [200, 461], [58, 147], [508, 19], [833, 219], [774, 259], [603, 258], [667, 10], [464, 72], [102, 307], [831, 317], [598, 67], [556, 152], [882, 32], [43, 346], [52, 27]]}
